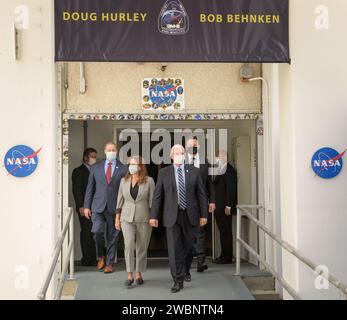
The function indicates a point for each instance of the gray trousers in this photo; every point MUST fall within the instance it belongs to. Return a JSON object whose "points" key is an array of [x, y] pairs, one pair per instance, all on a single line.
{"points": [[136, 238]]}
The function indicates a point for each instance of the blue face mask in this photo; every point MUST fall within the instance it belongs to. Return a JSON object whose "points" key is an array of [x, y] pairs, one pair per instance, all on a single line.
{"points": [[133, 168], [110, 156]]}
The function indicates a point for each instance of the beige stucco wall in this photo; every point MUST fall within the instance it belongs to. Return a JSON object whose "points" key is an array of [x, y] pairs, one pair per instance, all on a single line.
{"points": [[116, 87]]}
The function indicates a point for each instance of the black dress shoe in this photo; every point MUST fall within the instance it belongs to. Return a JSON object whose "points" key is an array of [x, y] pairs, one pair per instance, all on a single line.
{"points": [[217, 259], [188, 277], [129, 282], [202, 267], [176, 287], [139, 282], [225, 261]]}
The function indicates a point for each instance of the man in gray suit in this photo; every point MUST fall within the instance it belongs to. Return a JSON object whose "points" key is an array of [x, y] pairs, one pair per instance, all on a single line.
{"points": [[100, 205], [180, 196]]}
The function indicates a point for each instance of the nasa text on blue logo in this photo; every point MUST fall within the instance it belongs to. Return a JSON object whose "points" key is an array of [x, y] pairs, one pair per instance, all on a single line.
{"points": [[21, 161], [327, 163]]}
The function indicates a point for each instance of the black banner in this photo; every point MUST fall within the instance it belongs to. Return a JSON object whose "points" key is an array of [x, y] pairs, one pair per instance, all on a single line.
{"points": [[172, 30]]}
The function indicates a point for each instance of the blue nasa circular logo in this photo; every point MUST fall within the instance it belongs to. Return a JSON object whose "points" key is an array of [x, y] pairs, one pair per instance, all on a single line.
{"points": [[327, 163], [21, 161], [163, 94]]}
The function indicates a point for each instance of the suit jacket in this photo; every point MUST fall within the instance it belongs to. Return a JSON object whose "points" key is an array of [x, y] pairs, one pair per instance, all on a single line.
{"points": [[165, 199], [135, 210], [80, 177], [207, 181], [226, 188], [105, 195]]}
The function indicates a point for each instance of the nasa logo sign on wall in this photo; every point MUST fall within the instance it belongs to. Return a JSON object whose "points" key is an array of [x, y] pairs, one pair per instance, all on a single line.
{"points": [[327, 163], [166, 94], [21, 161]]}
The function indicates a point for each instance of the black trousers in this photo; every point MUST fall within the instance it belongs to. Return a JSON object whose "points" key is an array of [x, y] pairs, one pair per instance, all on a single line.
{"points": [[180, 241], [87, 241], [226, 236], [199, 248]]}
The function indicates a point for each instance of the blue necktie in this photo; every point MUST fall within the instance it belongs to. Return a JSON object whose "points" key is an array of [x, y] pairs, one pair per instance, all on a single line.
{"points": [[181, 190]]}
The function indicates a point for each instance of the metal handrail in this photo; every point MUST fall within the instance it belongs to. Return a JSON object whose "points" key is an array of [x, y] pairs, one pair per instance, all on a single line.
{"points": [[68, 261], [242, 211]]}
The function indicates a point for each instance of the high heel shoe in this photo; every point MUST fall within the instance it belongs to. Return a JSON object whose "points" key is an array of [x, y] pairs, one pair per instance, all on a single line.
{"points": [[129, 282], [139, 281]]}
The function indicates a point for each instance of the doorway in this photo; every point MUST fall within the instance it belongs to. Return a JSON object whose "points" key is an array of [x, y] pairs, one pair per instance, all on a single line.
{"points": [[241, 145]]}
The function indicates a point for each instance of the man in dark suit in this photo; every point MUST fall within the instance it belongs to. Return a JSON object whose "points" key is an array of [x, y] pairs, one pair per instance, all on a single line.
{"points": [[225, 183], [80, 177], [193, 157], [100, 205], [180, 196]]}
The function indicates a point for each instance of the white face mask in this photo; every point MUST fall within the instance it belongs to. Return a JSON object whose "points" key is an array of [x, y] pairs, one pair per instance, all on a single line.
{"points": [[110, 156], [178, 159], [220, 161], [91, 161], [133, 168]]}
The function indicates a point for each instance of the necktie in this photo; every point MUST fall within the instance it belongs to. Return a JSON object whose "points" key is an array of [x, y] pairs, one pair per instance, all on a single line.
{"points": [[181, 190], [109, 172]]}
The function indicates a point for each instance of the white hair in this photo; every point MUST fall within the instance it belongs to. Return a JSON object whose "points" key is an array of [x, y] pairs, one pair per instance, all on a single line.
{"points": [[176, 146]]}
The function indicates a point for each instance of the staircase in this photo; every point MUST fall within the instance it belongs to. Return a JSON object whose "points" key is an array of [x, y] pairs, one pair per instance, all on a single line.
{"points": [[262, 287]]}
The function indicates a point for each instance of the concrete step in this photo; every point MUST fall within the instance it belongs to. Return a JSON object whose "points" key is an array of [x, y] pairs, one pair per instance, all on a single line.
{"points": [[69, 290], [259, 282], [262, 287], [265, 295]]}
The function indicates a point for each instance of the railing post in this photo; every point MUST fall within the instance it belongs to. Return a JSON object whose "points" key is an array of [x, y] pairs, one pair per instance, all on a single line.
{"points": [[343, 295], [71, 240], [213, 237], [238, 245]]}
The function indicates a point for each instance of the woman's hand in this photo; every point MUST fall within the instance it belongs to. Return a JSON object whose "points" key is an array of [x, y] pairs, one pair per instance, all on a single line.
{"points": [[117, 222], [118, 225]]}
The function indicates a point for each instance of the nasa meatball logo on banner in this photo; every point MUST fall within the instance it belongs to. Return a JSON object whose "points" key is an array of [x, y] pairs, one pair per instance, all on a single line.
{"points": [[327, 163], [21, 161]]}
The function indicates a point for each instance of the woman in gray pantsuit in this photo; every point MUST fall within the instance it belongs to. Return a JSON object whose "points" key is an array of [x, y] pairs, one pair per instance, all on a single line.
{"points": [[132, 216]]}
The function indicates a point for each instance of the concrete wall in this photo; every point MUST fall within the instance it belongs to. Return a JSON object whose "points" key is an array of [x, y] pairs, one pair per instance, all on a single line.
{"points": [[28, 205], [313, 115], [116, 87]]}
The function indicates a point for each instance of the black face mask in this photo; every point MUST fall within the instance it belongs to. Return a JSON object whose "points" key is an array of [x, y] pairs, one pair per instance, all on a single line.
{"points": [[192, 150]]}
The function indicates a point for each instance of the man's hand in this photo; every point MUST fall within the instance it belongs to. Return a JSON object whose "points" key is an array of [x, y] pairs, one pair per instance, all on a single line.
{"points": [[87, 213], [81, 212], [227, 211], [211, 207], [153, 223], [203, 222]]}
